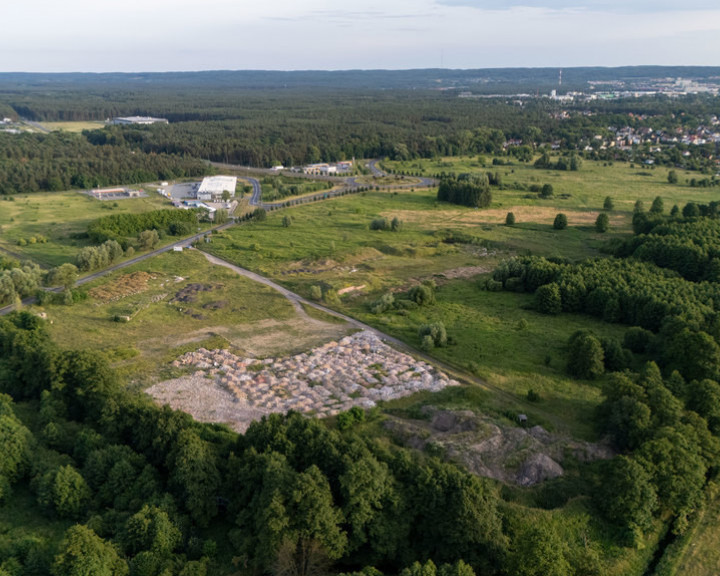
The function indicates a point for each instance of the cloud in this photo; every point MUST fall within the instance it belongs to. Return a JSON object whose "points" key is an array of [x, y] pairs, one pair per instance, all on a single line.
{"points": [[616, 6]]}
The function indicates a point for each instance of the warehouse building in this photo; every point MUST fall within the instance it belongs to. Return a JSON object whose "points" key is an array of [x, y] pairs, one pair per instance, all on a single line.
{"points": [[213, 187], [138, 120]]}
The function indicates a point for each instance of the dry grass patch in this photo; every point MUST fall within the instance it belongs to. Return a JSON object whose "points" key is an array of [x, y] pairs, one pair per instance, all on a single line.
{"points": [[125, 285], [523, 214]]}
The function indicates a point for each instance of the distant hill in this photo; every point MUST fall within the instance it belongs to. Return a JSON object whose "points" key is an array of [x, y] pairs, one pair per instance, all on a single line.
{"points": [[488, 80]]}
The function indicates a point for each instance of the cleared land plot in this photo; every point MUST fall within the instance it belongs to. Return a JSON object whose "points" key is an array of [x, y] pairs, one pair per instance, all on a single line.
{"points": [[59, 216], [176, 302], [358, 370]]}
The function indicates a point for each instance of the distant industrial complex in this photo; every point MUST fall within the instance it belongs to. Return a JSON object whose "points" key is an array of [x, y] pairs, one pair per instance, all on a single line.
{"points": [[143, 120]]}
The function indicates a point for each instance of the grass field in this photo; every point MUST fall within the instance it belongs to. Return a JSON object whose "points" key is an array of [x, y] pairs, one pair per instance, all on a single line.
{"points": [[57, 216], [169, 315], [587, 188], [701, 547], [73, 126], [510, 347]]}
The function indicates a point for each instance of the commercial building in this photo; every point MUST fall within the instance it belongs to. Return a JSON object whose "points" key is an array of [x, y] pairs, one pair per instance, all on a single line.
{"points": [[138, 120], [213, 187]]}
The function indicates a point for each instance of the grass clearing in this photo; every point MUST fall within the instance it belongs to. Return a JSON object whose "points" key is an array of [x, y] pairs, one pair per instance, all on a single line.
{"points": [[74, 126], [585, 189], [179, 301], [510, 347], [59, 216]]}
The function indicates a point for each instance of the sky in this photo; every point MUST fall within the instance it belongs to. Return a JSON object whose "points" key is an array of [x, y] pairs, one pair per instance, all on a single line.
{"points": [[172, 35]]}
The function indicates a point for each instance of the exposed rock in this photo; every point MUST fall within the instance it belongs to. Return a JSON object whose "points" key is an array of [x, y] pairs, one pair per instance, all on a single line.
{"points": [[537, 468]]}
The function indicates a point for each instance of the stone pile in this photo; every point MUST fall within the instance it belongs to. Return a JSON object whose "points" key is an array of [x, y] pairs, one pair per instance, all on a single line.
{"points": [[359, 370]]}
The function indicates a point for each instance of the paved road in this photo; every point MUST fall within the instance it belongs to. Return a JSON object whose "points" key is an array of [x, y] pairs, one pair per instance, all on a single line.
{"points": [[100, 273], [35, 125]]}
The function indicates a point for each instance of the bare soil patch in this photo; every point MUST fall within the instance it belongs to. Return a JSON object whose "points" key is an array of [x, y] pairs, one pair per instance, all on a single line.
{"points": [[190, 292]]}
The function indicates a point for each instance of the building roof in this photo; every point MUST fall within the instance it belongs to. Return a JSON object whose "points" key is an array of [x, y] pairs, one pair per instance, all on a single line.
{"points": [[215, 185]]}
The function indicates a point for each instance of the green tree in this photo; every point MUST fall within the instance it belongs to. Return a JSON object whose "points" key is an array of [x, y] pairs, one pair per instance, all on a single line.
{"points": [[150, 529], [548, 299], [538, 550], [148, 239], [510, 219], [560, 222], [602, 222], [286, 221], [195, 476], [84, 553], [626, 497], [608, 204], [65, 491], [672, 177], [658, 206], [16, 442], [585, 356], [691, 210], [546, 191], [226, 195], [64, 275], [221, 216]]}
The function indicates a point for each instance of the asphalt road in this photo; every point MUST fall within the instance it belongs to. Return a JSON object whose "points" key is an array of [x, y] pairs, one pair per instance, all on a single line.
{"points": [[100, 273]]}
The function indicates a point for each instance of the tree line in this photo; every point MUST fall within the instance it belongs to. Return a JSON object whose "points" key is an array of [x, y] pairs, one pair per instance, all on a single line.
{"points": [[61, 161]]}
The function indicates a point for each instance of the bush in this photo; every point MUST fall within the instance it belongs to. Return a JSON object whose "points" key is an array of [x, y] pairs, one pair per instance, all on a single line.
{"points": [[422, 295], [546, 191], [436, 331], [560, 222], [379, 224], [608, 204], [493, 285], [427, 343], [510, 219]]}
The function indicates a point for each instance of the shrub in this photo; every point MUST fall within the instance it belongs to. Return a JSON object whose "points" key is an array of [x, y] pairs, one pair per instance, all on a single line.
{"points": [[493, 285], [379, 224], [608, 204], [560, 222], [427, 343], [546, 191], [422, 295], [436, 331], [510, 219]]}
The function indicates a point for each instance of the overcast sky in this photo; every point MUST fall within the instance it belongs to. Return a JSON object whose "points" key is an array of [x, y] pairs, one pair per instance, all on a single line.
{"points": [[161, 35]]}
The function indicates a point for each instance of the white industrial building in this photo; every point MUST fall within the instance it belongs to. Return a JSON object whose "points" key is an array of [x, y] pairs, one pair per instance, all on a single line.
{"points": [[213, 186], [138, 120]]}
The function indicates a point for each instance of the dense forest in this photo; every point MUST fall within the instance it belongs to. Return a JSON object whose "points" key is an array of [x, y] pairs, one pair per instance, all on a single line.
{"points": [[59, 161], [664, 416], [144, 483], [253, 119]]}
